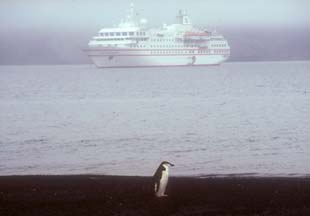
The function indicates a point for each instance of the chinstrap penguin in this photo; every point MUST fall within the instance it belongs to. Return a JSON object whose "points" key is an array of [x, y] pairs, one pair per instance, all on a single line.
{"points": [[161, 179]]}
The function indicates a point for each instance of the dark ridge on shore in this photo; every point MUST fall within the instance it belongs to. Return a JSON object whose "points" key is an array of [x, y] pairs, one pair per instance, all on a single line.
{"points": [[124, 195]]}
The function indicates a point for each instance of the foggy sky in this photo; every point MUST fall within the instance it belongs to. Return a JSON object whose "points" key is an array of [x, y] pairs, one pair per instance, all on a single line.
{"points": [[56, 31], [81, 13]]}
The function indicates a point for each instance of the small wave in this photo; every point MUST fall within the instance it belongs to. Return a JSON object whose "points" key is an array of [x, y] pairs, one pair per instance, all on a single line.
{"points": [[33, 141]]}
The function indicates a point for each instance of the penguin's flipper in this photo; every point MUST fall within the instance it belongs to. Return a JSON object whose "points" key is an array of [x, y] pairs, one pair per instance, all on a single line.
{"points": [[159, 172]]}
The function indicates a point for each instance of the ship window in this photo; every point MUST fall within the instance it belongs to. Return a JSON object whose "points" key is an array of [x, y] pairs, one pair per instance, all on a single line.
{"points": [[131, 33], [118, 34], [106, 34], [111, 33], [124, 33]]}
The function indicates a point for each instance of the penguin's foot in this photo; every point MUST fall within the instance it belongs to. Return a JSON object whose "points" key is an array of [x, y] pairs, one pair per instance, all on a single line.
{"points": [[161, 195]]}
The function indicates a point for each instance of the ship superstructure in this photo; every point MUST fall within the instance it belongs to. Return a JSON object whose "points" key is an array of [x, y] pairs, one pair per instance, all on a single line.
{"points": [[132, 44]]}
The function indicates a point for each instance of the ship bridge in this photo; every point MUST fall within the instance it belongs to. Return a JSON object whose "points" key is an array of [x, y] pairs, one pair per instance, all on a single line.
{"points": [[128, 32]]}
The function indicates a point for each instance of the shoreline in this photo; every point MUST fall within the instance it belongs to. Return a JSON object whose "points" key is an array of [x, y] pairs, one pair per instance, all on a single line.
{"points": [[133, 195], [202, 176]]}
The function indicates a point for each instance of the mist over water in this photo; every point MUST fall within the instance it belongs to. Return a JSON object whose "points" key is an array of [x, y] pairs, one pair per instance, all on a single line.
{"points": [[248, 44], [234, 118]]}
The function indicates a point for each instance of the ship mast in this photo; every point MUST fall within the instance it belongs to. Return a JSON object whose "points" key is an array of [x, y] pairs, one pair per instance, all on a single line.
{"points": [[130, 20], [131, 12]]}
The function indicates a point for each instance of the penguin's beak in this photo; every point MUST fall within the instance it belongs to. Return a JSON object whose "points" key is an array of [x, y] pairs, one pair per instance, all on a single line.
{"points": [[171, 164]]}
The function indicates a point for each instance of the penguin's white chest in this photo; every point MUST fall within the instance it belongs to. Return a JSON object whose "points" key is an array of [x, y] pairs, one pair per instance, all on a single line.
{"points": [[163, 182], [165, 176]]}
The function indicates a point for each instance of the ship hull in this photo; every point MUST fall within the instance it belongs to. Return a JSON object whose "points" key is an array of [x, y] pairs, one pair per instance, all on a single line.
{"points": [[105, 60]]}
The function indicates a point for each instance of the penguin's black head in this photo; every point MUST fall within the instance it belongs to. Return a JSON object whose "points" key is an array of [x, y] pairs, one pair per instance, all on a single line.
{"points": [[167, 163]]}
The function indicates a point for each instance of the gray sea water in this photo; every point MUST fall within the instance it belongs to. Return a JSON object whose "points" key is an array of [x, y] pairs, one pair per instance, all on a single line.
{"points": [[237, 118]]}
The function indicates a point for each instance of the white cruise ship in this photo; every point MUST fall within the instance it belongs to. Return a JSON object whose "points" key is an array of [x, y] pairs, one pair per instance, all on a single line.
{"points": [[132, 44]]}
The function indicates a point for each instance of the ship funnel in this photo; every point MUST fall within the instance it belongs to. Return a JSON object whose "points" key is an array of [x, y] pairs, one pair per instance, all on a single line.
{"points": [[182, 18]]}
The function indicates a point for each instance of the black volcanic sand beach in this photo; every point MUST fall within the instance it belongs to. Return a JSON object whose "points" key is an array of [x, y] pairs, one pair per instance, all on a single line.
{"points": [[117, 195]]}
